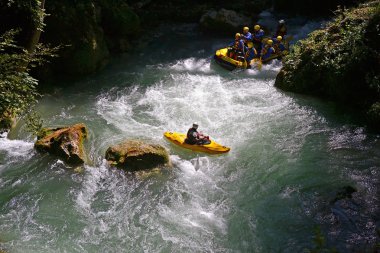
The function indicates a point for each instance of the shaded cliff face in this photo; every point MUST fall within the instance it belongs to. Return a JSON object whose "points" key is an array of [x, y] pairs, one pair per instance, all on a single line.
{"points": [[191, 11], [91, 30], [88, 30], [340, 62]]}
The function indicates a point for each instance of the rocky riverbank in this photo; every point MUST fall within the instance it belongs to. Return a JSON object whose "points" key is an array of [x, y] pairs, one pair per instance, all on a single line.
{"points": [[91, 31], [340, 62]]}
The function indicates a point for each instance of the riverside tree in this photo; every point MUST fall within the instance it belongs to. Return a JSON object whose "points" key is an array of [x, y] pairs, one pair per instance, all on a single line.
{"points": [[18, 89]]}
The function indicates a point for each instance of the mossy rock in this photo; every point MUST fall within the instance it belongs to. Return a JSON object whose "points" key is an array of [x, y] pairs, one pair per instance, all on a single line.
{"points": [[7, 120], [340, 62], [344, 193], [66, 142], [134, 155]]}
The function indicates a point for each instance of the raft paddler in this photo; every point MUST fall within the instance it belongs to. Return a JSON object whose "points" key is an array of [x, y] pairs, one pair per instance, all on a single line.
{"points": [[267, 51], [281, 29], [251, 53], [257, 37], [278, 46], [246, 36], [236, 48]]}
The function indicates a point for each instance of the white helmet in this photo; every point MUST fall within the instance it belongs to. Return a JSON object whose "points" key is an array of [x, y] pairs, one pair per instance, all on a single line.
{"points": [[195, 125], [281, 21]]}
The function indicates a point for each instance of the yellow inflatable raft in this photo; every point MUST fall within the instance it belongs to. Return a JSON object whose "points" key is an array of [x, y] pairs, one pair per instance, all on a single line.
{"points": [[226, 62], [222, 59], [212, 148]]}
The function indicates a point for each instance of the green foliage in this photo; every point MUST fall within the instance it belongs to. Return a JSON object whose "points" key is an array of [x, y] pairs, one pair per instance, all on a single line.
{"points": [[32, 7], [34, 123], [18, 90], [17, 87], [340, 62]]}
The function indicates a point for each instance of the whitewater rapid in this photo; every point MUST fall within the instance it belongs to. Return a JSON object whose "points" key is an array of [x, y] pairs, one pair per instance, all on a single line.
{"points": [[290, 155]]}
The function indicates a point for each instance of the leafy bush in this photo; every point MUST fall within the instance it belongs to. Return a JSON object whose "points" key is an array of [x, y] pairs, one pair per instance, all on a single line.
{"points": [[340, 62], [18, 90]]}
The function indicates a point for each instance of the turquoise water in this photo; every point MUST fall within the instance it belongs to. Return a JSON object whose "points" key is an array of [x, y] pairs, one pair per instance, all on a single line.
{"points": [[290, 156]]}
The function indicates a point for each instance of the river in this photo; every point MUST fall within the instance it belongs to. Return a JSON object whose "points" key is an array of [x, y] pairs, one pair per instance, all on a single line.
{"points": [[290, 157]]}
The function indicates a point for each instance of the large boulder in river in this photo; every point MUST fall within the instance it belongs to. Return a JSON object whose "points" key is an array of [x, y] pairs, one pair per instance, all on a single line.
{"points": [[66, 142], [133, 155], [224, 21]]}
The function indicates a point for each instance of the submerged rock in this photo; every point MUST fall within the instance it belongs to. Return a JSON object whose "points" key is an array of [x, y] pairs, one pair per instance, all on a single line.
{"points": [[344, 193], [66, 142], [226, 21], [133, 155]]}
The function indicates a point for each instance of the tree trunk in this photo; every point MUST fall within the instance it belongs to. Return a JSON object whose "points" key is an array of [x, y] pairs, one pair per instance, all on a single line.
{"points": [[35, 38]]}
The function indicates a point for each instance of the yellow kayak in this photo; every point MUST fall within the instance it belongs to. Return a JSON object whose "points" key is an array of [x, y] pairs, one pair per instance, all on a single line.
{"points": [[212, 148]]}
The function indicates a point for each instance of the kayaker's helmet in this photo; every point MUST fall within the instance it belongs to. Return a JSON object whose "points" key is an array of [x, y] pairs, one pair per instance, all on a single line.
{"points": [[237, 35], [195, 125], [250, 44], [279, 38], [256, 27], [270, 42], [281, 22], [245, 29]]}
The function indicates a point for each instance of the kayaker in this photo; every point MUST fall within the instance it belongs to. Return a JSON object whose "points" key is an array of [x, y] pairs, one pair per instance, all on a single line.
{"points": [[278, 46], [257, 37], [237, 47], [193, 137], [281, 29], [251, 53], [246, 36], [267, 50]]}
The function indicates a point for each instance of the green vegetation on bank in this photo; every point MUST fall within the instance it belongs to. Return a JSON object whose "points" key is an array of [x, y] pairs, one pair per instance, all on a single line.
{"points": [[18, 90], [340, 62]]}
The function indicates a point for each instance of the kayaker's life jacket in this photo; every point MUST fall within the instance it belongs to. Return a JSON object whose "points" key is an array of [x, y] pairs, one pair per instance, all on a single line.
{"points": [[278, 46], [258, 36], [251, 53], [267, 52], [239, 45], [191, 137], [247, 37]]}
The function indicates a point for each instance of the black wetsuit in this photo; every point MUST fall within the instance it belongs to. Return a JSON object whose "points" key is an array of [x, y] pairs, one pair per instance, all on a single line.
{"points": [[190, 138]]}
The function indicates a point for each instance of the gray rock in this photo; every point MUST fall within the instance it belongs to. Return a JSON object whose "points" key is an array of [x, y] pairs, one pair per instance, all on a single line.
{"points": [[226, 21]]}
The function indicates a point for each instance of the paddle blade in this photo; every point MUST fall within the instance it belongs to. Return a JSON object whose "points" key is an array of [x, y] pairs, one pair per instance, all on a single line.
{"points": [[259, 64]]}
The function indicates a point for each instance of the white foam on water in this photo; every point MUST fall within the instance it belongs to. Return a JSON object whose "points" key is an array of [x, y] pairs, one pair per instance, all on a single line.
{"points": [[192, 64], [221, 106], [14, 150]]}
